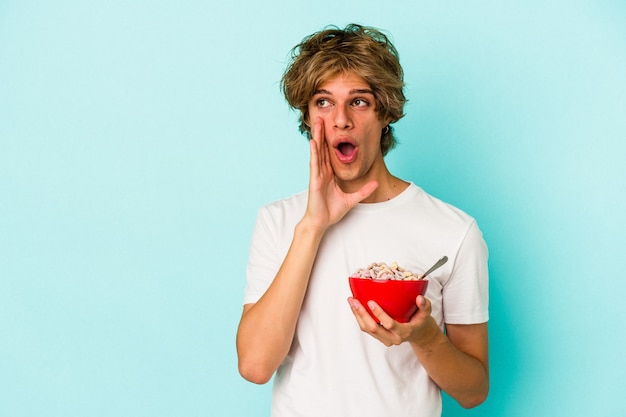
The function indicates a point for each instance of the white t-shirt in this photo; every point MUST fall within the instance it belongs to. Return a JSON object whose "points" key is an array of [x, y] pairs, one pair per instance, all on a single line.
{"points": [[335, 369]]}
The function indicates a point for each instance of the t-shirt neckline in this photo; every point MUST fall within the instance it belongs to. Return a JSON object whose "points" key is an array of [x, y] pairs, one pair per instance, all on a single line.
{"points": [[400, 199]]}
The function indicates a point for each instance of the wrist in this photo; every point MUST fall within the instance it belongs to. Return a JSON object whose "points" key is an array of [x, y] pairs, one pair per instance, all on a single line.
{"points": [[307, 228], [429, 337]]}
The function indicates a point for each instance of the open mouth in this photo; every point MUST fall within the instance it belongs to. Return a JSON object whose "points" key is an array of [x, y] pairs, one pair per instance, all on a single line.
{"points": [[346, 152], [346, 149]]}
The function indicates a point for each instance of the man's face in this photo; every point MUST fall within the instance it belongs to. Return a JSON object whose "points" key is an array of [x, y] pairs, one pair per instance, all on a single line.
{"points": [[352, 128]]}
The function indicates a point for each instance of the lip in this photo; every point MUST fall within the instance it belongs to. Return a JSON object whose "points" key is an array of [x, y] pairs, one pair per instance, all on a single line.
{"points": [[345, 159]]}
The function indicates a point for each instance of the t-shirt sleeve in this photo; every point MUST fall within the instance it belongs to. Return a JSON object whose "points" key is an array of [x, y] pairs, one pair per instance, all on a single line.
{"points": [[466, 294], [263, 260]]}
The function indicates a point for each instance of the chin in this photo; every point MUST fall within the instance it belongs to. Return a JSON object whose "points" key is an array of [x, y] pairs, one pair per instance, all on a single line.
{"points": [[348, 178]]}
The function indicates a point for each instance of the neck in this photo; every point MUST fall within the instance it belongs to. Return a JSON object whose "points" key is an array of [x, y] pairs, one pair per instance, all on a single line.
{"points": [[388, 186]]}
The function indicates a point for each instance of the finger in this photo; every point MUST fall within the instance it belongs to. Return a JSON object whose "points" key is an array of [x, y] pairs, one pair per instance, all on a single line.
{"points": [[319, 155], [314, 159], [320, 142], [316, 130], [384, 319], [363, 318]]}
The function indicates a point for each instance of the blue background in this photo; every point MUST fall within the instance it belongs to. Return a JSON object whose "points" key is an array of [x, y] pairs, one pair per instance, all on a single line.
{"points": [[139, 138]]}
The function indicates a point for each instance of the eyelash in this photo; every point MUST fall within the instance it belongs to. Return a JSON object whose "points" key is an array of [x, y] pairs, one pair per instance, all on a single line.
{"points": [[362, 102], [320, 102]]}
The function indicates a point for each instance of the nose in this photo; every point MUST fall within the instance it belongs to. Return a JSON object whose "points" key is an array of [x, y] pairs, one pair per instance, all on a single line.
{"points": [[341, 117]]}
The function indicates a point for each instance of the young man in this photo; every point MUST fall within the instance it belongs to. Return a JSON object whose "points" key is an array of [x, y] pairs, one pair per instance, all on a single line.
{"points": [[330, 357]]}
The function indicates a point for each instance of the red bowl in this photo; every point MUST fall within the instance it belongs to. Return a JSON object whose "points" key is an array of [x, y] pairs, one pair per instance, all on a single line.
{"points": [[396, 297]]}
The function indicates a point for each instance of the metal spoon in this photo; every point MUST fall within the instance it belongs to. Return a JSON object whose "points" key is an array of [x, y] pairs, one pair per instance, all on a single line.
{"points": [[437, 264]]}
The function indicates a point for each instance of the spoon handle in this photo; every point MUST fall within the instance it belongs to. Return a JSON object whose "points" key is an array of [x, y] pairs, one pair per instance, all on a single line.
{"points": [[439, 263]]}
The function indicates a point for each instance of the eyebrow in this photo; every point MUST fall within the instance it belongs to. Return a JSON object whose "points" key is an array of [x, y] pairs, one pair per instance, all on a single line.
{"points": [[351, 92]]}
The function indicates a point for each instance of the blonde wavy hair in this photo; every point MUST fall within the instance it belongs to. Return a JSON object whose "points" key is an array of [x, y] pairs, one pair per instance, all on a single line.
{"points": [[367, 52]]}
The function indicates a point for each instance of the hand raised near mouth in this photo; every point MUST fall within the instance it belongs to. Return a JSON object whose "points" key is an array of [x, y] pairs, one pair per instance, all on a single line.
{"points": [[328, 203]]}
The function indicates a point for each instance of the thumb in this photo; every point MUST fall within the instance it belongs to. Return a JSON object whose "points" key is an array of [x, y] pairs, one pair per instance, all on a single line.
{"points": [[424, 308], [365, 191]]}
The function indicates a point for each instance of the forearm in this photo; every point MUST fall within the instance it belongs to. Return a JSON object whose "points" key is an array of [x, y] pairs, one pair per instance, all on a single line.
{"points": [[463, 376], [267, 328]]}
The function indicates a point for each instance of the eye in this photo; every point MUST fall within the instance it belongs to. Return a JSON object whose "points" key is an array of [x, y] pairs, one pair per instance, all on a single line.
{"points": [[322, 103], [359, 102]]}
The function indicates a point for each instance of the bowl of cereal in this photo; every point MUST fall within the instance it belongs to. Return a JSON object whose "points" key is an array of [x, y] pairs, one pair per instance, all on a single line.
{"points": [[392, 287]]}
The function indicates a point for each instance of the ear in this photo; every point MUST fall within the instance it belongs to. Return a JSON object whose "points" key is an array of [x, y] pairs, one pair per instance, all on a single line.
{"points": [[305, 126], [304, 116]]}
